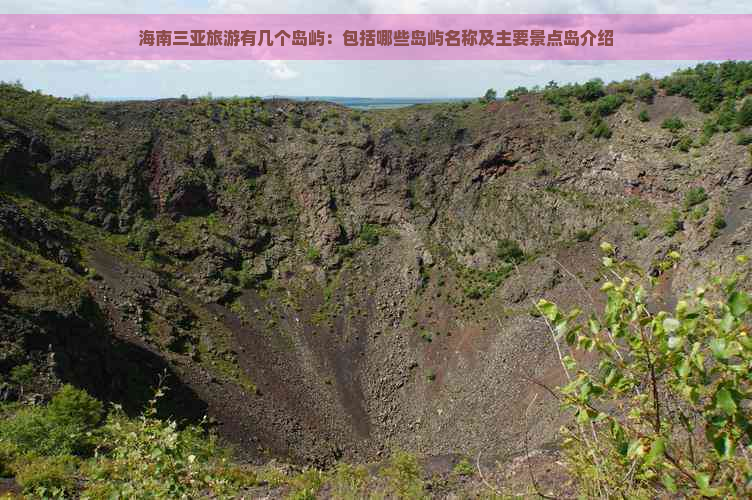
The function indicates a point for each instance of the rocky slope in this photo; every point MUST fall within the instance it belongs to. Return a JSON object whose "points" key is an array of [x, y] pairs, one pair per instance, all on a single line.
{"points": [[329, 283]]}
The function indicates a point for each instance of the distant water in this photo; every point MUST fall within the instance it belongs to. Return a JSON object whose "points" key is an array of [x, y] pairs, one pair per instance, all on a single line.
{"points": [[378, 102], [351, 102]]}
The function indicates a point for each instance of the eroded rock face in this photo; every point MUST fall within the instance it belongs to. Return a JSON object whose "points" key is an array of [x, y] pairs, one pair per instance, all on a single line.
{"points": [[327, 283]]}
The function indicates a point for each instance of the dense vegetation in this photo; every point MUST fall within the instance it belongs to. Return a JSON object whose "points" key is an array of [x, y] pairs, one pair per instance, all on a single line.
{"points": [[72, 448], [665, 410], [719, 89]]}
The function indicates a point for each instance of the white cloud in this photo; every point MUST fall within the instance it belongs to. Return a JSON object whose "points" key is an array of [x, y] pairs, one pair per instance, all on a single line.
{"points": [[151, 66], [537, 67], [279, 70], [134, 66]]}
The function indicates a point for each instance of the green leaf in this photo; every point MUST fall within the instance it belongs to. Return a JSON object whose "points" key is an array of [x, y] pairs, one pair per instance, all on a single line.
{"points": [[640, 295], [561, 328], [595, 327], [724, 401], [724, 446], [739, 303], [573, 314], [636, 449], [549, 310], [669, 483], [702, 480], [683, 368], [611, 376], [657, 449], [721, 349], [728, 322], [681, 307], [569, 362], [746, 342], [675, 343]]}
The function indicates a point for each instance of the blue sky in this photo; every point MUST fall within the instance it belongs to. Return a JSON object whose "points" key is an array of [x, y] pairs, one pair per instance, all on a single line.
{"points": [[341, 78]]}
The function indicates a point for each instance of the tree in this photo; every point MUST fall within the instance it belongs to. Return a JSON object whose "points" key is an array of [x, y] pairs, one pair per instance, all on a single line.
{"points": [[490, 95], [509, 251], [744, 116], [22, 375], [514, 94], [673, 124], [644, 90], [591, 91], [663, 410]]}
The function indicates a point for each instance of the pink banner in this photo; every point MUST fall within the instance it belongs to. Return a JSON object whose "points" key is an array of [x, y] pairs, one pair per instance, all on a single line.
{"points": [[375, 37]]}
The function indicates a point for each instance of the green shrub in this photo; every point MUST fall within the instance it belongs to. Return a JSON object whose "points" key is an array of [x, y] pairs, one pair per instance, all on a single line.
{"points": [[663, 410], [590, 91], [744, 116], [464, 468], [404, 474], [673, 124], [295, 120], [370, 234], [743, 139], [565, 115], [307, 484], [643, 116], [727, 116], [349, 481], [143, 236], [599, 129], [61, 428], [609, 104], [709, 129], [684, 144], [584, 235], [151, 458], [699, 212], [509, 251], [313, 254], [52, 118], [719, 222], [514, 94], [8, 454], [47, 477], [673, 224], [264, 117], [644, 90], [304, 494], [32, 430], [695, 196], [22, 375], [640, 233], [71, 406]]}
